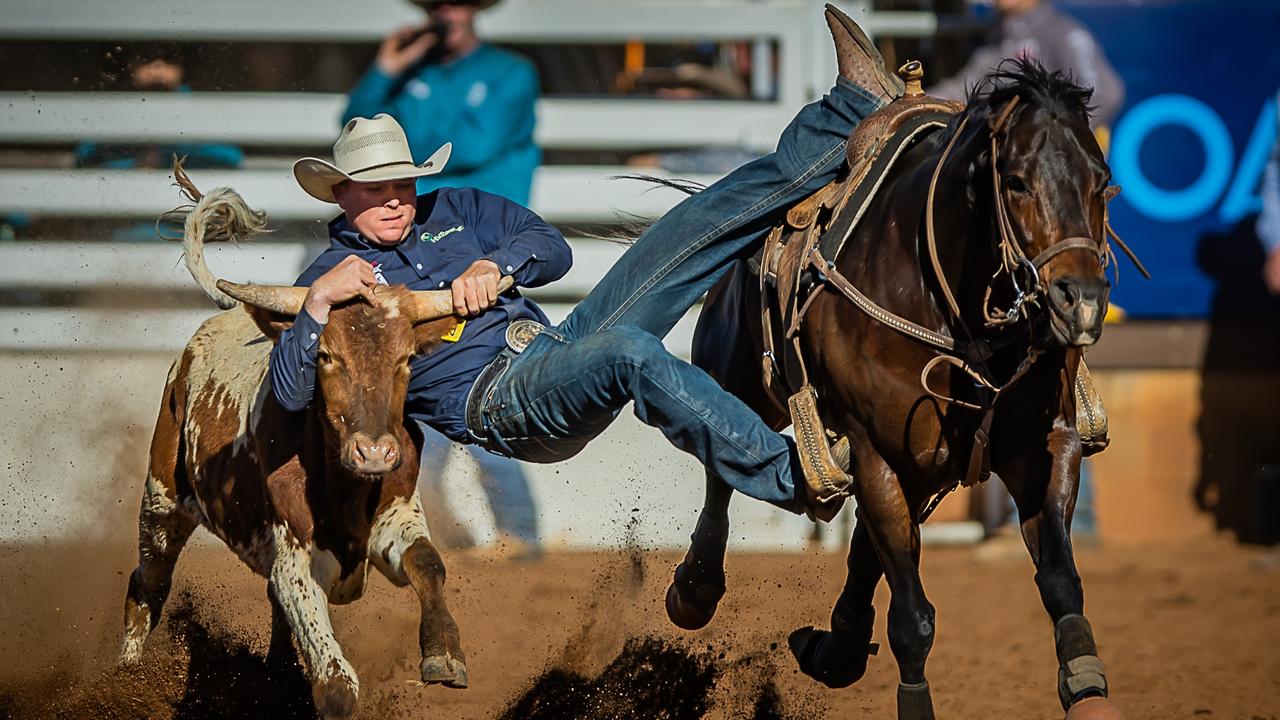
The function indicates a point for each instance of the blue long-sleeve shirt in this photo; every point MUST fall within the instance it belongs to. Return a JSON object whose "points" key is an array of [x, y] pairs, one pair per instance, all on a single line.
{"points": [[1269, 219], [483, 103], [453, 228]]}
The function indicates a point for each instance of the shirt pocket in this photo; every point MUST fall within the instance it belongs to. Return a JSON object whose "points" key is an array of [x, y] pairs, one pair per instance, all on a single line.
{"points": [[452, 255]]}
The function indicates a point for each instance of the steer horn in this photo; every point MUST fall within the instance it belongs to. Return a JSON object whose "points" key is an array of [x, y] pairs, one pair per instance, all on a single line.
{"points": [[283, 299], [431, 305]]}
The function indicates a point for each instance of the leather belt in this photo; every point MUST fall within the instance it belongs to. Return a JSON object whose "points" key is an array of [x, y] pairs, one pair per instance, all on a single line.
{"points": [[518, 336]]}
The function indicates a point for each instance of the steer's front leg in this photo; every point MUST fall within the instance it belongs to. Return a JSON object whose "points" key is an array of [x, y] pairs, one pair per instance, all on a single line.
{"points": [[305, 605], [400, 547]]}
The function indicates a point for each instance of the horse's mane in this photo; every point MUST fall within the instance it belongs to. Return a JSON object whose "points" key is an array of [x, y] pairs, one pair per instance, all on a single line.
{"points": [[1056, 92]]}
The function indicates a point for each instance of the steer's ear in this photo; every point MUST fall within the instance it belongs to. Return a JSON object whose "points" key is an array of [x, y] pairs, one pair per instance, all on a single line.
{"points": [[271, 323], [427, 335], [272, 307]]}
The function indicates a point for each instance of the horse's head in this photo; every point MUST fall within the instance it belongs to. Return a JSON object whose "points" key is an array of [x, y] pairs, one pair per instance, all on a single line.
{"points": [[1049, 185]]}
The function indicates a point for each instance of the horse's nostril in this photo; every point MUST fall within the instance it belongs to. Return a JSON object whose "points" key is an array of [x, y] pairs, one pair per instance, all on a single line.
{"points": [[1066, 293]]}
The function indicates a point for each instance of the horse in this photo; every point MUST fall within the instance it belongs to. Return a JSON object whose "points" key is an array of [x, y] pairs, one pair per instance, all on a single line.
{"points": [[988, 238]]}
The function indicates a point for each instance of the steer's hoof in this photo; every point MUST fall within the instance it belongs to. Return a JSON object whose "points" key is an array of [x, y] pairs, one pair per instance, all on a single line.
{"points": [[444, 670], [335, 698], [696, 613], [1094, 708]]}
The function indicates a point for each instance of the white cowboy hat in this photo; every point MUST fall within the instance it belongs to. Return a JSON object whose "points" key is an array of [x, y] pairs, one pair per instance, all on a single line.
{"points": [[368, 150]]}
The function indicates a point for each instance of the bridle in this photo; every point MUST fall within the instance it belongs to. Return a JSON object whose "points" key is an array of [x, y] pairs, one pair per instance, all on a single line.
{"points": [[1013, 260]]}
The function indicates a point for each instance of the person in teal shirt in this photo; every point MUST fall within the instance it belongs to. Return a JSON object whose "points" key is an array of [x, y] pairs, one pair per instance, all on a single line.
{"points": [[444, 84]]}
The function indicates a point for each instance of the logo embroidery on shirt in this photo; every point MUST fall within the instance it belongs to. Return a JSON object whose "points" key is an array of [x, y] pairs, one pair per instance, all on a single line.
{"points": [[428, 237], [477, 93], [418, 89]]}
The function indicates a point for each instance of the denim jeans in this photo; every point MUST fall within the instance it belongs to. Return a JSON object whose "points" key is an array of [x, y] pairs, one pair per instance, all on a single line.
{"points": [[567, 387], [502, 479]]}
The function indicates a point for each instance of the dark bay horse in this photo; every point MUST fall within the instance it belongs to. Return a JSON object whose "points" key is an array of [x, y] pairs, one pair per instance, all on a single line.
{"points": [[1018, 175]]}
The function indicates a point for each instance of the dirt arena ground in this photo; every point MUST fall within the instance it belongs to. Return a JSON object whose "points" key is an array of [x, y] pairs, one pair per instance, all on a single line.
{"points": [[1187, 631]]}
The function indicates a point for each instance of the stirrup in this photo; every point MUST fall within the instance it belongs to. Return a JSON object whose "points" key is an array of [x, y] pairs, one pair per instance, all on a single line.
{"points": [[827, 480], [1091, 416]]}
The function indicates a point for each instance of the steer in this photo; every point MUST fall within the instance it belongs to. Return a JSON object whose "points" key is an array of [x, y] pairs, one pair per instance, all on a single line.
{"points": [[305, 499]]}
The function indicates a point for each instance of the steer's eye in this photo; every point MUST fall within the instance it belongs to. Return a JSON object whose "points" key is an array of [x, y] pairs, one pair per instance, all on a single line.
{"points": [[1015, 184], [324, 358]]}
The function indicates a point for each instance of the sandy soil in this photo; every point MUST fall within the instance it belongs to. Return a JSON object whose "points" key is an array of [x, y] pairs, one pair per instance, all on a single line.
{"points": [[1187, 630]]}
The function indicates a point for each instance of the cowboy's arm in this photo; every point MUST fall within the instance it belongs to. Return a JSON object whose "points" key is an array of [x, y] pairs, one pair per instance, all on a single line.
{"points": [[332, 277], [519, 242], [478, 133]]}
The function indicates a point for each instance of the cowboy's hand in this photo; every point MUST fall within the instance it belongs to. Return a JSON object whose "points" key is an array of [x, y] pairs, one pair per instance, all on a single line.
{"points": [[401, 49], [350, 278], [476, 289], [1271, 271]]}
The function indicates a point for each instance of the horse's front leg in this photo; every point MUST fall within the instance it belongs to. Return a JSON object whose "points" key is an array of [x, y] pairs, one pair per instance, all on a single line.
{"points": [[890, 519], [1044, 487], [838, 657], [699, 581]]}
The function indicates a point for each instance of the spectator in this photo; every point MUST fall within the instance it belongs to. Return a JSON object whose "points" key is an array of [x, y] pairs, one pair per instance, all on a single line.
{"points": [[156, 68], [1269, 220], [1035, 29], [694, 81], [444, 84]]}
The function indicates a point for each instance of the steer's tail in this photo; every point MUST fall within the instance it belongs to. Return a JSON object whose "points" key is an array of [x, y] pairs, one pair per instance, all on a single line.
{"points": [[221, 215]]}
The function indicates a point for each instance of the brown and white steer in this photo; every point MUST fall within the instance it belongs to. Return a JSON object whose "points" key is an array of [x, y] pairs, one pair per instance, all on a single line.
{"points": [[305, 499]]}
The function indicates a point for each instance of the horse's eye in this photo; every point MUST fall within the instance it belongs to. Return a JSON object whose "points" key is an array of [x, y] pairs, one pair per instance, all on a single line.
{"points": [[1015, 184]]}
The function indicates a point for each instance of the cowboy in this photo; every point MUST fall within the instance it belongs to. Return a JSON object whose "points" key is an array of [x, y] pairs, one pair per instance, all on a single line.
{"points": [[441, 82], [539, 394]]}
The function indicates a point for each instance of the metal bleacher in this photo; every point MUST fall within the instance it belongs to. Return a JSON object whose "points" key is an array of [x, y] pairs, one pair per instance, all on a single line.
{"points": [[569, 195]]}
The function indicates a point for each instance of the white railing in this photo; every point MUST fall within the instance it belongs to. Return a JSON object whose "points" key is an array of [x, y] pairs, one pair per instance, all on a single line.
{"points": [[96, 270], [568, 195], [561, 193]]}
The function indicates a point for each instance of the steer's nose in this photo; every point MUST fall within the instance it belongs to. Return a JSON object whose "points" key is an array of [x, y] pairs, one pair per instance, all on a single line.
{"points": [[373, 457]]}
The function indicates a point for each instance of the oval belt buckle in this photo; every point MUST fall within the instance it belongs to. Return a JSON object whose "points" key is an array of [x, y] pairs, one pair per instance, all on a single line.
{"points": [[521, 332]]}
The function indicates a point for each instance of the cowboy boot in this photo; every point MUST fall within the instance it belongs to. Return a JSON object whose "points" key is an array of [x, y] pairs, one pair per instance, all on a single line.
{"points": [[1091, 417], [858, 59]]}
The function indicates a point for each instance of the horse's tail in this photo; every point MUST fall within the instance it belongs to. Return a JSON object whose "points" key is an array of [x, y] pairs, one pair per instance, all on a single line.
{"points": [[630, 226], [220, 215]]}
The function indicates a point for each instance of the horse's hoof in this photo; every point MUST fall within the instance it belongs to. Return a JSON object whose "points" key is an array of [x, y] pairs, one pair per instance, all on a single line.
{"points": [[815, 649], [1094, 708], [693, 614], [444, 670], [335, 698], [914, 701]]}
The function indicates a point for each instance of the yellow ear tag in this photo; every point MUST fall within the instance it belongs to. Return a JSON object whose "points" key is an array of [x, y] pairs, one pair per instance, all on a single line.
{"points": [[455, 334]]}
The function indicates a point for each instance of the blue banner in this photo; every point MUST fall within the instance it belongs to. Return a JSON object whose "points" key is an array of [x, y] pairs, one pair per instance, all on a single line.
{"points": [[1191, 143]]}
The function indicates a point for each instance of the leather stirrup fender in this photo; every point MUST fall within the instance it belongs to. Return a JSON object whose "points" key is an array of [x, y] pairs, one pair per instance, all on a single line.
{"points": [[826, 484], [1091, 416]]}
